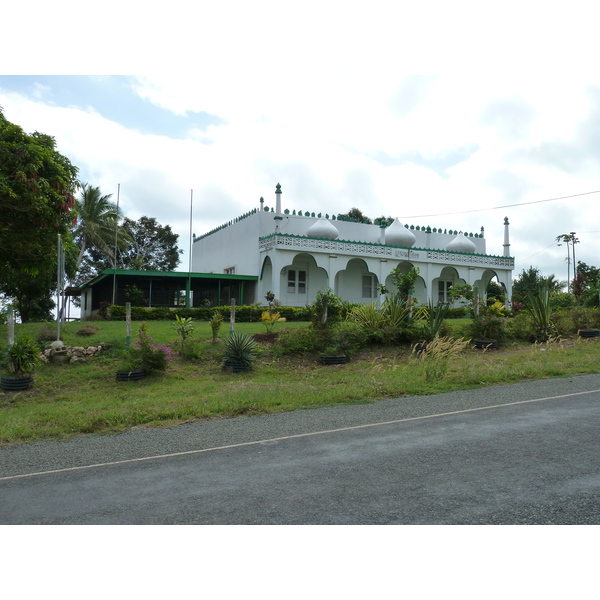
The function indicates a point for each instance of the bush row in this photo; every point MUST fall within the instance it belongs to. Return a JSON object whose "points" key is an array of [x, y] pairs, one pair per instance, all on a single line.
{"points": [[243, 314]]}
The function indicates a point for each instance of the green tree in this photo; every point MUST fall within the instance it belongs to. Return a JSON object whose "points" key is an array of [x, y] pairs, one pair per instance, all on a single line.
{"points": [[586, 286], [403, 282], [356, 214], [96, 222], [143, 245], [151, 246], [37, 184], [531, 281], [495, 292]]}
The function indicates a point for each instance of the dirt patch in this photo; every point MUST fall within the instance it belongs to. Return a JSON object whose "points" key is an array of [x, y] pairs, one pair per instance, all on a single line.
{"points": [[265, 338]]}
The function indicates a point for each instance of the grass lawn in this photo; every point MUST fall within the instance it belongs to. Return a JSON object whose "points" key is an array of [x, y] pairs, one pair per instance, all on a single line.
{"points": [[84, 397]]}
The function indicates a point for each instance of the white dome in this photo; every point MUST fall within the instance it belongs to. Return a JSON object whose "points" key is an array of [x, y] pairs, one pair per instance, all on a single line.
{"points": [[323, 229], [461, 243], [397, 235]]}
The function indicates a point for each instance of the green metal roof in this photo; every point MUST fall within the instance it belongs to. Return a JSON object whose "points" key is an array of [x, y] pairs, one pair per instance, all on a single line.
{"points": [[166, 274]]}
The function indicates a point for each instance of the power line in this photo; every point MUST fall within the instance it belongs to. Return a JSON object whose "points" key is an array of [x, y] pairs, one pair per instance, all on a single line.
{"points": [[461, 212]]}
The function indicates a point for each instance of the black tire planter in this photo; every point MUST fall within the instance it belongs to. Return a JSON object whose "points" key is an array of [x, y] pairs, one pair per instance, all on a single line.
{"points": [[13, 384], [333, 360], [486, 344], [135, 375], [589, 333], [236, 367]]}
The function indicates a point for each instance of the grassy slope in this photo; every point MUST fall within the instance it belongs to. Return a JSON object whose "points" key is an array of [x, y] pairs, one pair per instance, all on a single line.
{"points": [[84, 397]]}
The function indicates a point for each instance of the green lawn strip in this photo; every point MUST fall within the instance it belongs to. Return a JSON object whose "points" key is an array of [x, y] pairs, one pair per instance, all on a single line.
{"points": [[85, 397]]}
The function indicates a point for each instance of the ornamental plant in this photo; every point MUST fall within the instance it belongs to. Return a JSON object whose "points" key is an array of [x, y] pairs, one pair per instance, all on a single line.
{"points": [[149, 355], [184, 327], [22, 357], [491, 322], [326, 310], [270, 317], [239, 349], [215, 325]]}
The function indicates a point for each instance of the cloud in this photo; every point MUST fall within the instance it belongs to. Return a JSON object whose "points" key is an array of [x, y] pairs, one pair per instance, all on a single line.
{"points": [[511, 117], [431, 150]]}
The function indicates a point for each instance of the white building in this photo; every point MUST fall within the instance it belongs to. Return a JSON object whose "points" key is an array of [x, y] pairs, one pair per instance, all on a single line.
{"points": [[296, 254]]}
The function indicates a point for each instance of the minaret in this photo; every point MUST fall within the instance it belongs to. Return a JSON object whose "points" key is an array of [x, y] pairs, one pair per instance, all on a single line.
{"points": [[262, 204], [506, 239], [278, 200], [277, 216]]}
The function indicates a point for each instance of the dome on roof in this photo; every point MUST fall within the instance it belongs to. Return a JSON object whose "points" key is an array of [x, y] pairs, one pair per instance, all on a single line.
{"points": [[323, 229], [461, 243], [397, 235]]}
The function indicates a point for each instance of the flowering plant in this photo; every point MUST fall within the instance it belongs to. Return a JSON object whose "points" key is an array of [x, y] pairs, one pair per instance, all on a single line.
{"points": [[269, 317], [149, 355], [491, 323]]}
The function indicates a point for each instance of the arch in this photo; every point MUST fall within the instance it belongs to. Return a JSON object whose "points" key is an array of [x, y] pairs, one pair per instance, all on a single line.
{"points": [[420, 289], [440, 286], [484, 280], [356, 283], [301, 279]]}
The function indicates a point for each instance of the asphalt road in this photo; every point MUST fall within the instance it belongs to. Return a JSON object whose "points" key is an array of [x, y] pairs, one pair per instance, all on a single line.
{"points": [[519, 454]]}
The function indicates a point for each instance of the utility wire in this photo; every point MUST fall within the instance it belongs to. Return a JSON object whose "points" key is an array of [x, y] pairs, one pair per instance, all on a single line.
{"points": [[461, 212]]}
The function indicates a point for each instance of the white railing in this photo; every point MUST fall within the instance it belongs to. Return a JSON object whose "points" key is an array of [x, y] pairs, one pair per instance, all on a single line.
{"points": [[286, 242]]}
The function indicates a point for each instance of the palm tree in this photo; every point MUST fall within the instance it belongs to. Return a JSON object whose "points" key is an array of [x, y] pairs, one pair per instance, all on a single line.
{"points": [[96, 222]]}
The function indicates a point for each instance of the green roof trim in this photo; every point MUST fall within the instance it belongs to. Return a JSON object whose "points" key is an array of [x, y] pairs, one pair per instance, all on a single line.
{"points": [[166, 274]]}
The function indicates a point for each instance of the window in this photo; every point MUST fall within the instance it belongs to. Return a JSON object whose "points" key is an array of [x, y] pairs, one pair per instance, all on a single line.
{"points": [[444, 291], [230, 271], [296, 282], [368, 286]]}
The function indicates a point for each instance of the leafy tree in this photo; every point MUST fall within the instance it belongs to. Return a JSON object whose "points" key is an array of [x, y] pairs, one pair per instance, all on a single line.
{"points": [[403, 282], [151, 246], [531, 281], [356, 214], [586, 286], [36, 205]]}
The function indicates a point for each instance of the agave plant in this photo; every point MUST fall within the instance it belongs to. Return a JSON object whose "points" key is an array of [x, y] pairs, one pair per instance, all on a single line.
{"points": [[539, 308], [436, 316], [240, 349]]}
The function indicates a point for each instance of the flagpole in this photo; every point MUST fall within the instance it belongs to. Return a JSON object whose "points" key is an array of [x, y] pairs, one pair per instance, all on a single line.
{"points": [[59, 277], [116, 236], [190, 258]]}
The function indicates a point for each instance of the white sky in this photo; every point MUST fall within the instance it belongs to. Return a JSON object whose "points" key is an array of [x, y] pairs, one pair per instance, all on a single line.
{"points": [[332, 100]]}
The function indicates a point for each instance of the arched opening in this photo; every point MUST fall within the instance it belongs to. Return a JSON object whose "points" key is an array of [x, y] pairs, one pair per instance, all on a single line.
{"points": [[301, 280], [356, 283], [420, 288]]}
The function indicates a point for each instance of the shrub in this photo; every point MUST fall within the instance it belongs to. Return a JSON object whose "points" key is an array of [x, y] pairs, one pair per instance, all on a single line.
{"points": [[243, 314], [88, 330], [298, 341], [521, 326], [46, 334], [343, 339], [149, 355]]}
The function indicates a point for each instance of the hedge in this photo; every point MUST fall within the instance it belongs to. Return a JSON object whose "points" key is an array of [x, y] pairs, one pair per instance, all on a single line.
{"points": [[243, 314]]}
